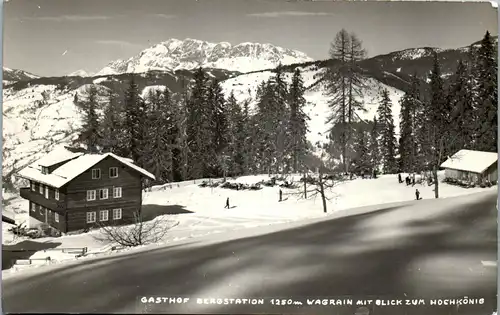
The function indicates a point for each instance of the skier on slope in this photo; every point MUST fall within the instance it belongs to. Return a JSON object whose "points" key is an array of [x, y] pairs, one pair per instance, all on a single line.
{"points": [[227, 203]]}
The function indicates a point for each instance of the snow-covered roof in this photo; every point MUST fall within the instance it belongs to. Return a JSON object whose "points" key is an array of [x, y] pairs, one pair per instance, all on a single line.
{"points": [[70, 170], [471, 161], [58, 155]]}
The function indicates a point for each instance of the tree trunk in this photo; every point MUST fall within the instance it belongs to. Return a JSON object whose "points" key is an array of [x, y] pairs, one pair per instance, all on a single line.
{"points": [[305, 186], [295, 162], [322, 192], [436, 182]]}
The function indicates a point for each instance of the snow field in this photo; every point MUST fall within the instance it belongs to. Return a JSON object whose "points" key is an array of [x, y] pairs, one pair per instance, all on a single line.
{"points": [[206, 214]]}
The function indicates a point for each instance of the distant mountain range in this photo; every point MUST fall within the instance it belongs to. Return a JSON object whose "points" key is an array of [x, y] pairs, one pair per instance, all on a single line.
{"points": [[190, 53]]}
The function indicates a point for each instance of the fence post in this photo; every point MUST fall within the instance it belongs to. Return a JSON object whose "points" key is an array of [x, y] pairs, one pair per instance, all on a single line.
{"points": [[85, 249], [30, 261]]}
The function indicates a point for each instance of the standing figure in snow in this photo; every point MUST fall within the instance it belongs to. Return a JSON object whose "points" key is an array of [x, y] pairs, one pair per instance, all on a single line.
{"points": [[400, 180], [417, 194], [281, 196], [413, 181], [227, 203], [407, 180]]}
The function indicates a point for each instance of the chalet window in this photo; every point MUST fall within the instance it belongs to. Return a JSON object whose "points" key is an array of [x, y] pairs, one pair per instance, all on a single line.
{"points": [[47, 192], [103, 215], [56, 194], [56, 217], [90, 217], [103, 193], [113, 172], [33, 186], [117, 214], [96, 173], [45, 170], [41, 189], [117, 192], [33, 207], [91, 195], [42, 210]]}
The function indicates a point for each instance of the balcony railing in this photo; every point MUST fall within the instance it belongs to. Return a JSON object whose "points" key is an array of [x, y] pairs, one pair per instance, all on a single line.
{"points": [[34, 196]]}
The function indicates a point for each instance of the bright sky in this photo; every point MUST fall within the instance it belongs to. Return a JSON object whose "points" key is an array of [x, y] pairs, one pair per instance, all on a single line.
{"points": [[56, 37]]}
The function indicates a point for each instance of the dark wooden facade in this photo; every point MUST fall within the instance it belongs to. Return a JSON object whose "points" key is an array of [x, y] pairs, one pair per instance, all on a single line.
{"points": [[72, 208]]}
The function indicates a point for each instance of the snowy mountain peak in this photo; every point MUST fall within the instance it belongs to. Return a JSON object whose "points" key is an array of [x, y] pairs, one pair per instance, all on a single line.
{"points": [[79, 73], [191, 53], [14, 75]]}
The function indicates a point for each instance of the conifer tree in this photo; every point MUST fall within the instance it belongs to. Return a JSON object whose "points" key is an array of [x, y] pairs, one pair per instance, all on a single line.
{"points": [[90, 133], [298, 121], [265, 126], [236, 137], [374, 148], [410, 106], [388, 138], [158, 149], [344, 85], [439, 123], [361, 158], [487, 107], [133, 124], [461, 101], [112, 126], [279, 97], [248, 141], [199, 127], [218, 110], [181, 152]]}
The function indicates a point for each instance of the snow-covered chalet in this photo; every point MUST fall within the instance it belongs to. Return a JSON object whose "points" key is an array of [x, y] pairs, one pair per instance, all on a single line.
{"points": [[472, 166], [72, 190]]}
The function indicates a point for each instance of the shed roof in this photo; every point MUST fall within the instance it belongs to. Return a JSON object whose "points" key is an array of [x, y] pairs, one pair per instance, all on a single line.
{"points": [[471, 161]]}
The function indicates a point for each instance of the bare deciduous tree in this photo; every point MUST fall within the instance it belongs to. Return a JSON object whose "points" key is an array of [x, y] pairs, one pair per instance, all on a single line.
{"points": [[319, 187], [141, 232]]}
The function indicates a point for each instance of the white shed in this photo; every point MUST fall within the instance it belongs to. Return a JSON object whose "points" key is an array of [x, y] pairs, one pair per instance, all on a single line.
{"points": [[473, 166]]}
